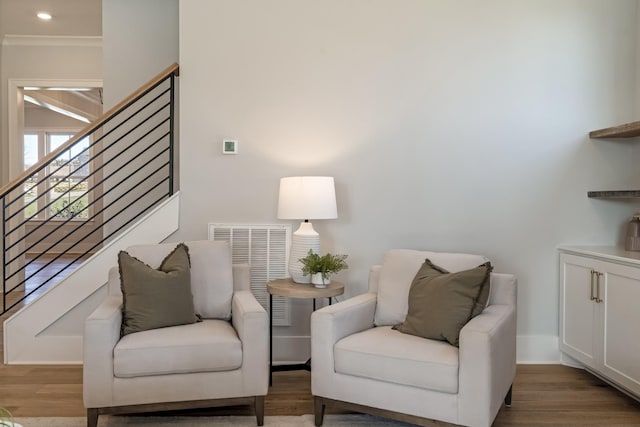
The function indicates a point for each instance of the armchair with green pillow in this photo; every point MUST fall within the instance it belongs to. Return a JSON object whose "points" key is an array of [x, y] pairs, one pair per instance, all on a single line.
{"points": [[179, 329], [434, 338]]}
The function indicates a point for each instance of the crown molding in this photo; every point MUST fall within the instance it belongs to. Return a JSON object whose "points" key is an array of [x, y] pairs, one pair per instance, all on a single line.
{"points": [[72, 41]]}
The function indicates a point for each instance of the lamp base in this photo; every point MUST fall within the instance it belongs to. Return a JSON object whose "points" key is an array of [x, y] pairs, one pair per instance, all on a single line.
{"points": [[303, 239]]}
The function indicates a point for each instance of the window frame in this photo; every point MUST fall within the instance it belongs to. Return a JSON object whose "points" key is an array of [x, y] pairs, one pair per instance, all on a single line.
{"points": [[43, 149]]}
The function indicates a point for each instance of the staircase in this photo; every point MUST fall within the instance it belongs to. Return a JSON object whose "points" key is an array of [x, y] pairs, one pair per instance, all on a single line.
{"points": [[126, 195]]}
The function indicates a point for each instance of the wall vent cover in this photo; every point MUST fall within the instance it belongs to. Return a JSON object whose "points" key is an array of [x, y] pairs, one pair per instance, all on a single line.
{"points": [[266, 249]]}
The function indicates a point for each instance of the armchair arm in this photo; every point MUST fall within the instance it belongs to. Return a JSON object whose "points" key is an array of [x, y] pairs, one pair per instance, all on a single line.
{"points": [[487, 363], [329, 325], [251, 322], [101, 334]]}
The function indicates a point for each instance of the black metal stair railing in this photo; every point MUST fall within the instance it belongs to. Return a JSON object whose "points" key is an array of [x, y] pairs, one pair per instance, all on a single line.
{"points": [[89, 190]]}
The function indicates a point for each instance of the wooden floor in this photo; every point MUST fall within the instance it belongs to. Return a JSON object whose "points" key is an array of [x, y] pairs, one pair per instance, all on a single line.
{"points": [[543, 395]]}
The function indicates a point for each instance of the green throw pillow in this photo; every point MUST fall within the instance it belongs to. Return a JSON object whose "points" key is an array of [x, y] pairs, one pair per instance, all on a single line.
{"points": [[156, 298], [441, 303]]}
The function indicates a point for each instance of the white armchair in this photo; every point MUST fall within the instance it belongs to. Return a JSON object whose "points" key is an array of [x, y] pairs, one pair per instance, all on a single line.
{"points": [[361, 363], [216, 362]]}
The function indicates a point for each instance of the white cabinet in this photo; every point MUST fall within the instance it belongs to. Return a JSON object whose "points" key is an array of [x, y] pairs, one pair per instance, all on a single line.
{"points": [[600, 313], [579, 331]]}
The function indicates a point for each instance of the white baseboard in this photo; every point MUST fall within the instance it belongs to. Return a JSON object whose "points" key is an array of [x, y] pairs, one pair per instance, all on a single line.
{"points": [[537, 349], [570, 361]]}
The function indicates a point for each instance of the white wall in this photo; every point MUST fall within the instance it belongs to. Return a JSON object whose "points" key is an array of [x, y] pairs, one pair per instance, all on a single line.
{"points": [[140, 40], [637, 105], [4, 150], [636, 109], [454, 126]]}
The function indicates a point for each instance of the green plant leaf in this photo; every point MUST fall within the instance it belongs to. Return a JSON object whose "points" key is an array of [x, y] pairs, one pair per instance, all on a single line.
{"points": [[6, 419], [326, 264]]}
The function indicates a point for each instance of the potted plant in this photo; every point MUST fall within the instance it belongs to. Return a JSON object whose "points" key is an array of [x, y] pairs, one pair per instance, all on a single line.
{"points": [[6, 420], [321, 266]]}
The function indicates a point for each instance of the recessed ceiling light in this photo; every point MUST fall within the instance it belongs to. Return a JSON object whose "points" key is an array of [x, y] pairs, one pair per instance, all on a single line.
{"points": [[45, 16]]}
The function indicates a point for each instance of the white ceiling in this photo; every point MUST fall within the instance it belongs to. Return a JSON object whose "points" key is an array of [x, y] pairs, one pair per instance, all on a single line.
{"points": [[70, 17], [84, 105]]}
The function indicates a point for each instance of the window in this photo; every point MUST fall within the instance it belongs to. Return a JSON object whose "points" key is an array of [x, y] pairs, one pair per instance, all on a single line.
{"points": [[68, 178], [30, 188]]}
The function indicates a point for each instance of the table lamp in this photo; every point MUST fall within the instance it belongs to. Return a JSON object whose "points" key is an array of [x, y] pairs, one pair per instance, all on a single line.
{"points": [[305, 198]]}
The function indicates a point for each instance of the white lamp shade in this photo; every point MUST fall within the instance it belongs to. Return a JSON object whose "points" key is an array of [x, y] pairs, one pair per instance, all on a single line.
{"points": [[307, 197]]}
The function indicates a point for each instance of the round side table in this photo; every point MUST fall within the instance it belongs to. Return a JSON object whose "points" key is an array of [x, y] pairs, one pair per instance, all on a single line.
{"points": [[289, 289]]}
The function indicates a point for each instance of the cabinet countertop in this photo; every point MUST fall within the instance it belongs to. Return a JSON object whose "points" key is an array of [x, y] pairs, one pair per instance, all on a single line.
{"points": [[611, 253]]}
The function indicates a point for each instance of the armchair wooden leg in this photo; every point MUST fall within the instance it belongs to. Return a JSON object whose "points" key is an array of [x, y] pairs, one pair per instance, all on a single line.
{"points": [[318, 410], [507, 398], [92, 417], [259, 408]]}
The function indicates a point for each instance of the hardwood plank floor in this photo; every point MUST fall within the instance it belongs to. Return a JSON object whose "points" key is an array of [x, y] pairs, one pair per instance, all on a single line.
{"points": [[543, 395]]}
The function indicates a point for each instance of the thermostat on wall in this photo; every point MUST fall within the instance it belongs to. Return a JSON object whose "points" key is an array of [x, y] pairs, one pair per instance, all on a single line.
{"points": [[230, 146]]}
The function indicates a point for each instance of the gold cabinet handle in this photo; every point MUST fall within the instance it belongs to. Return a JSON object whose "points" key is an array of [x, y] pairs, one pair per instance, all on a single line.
{"points": [[598, 299], [592, 296]]}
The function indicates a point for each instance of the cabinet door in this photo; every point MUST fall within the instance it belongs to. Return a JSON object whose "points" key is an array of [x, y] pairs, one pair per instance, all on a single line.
{"points": [[620, 310], [578, 313]]}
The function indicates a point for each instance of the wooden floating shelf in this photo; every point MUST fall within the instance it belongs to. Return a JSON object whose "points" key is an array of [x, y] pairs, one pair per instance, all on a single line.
{"points": [[628, 130], [619, 194]]}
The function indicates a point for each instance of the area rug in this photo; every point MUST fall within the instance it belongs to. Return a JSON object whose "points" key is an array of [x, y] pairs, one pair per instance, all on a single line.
{"points": [[349, 420]]}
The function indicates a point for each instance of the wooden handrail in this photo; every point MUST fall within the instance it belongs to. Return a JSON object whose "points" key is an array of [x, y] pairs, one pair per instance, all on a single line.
{"points": [[173, 69]]}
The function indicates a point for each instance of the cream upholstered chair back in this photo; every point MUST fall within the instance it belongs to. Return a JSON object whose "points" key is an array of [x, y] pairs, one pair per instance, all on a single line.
{"points": [[392, 280], [503, 286], [213, 279]]}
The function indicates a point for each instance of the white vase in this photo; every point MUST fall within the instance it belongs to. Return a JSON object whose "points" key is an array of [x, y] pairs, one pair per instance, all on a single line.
{"points": [[318, 281]]}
